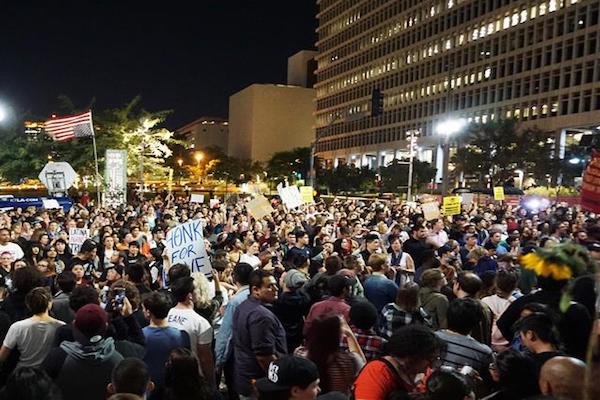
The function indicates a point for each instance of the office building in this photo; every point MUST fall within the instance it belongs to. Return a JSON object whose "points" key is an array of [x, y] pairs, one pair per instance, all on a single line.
{"points": [[533, 60], [266, 119], [301, 69], [205, 132]]}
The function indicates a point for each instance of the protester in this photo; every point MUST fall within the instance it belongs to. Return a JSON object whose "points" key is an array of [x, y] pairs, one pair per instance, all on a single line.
{"points": [[290, 378], [131, 376]]}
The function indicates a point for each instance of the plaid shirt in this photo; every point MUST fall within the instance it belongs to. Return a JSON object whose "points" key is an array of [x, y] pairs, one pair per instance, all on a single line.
{"points": [[370, 343], [394, 318]]}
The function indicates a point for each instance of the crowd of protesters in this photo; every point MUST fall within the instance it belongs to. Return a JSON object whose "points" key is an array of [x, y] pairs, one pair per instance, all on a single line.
{"points": [[344, 299]]}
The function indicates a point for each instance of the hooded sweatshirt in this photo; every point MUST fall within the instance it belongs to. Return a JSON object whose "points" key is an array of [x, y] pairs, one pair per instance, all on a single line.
{"points": [[82, 371]]}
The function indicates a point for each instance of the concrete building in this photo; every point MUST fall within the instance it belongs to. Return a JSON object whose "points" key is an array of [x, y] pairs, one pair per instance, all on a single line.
{"points": [[205, 132], [301, 69], [533, 60], [265, 119]]}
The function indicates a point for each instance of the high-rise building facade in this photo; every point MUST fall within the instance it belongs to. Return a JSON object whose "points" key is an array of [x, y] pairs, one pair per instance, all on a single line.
{"points": [[205, 132], [534, 60]]}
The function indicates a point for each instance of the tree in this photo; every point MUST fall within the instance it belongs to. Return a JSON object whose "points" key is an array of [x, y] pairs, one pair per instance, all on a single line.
{"points": [[286, 164], [347, 178], [498, 148], [233, 169], [395, 175]]}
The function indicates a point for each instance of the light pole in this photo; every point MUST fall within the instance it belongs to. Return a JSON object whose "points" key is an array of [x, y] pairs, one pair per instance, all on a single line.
{"points": [[448, 128], [180, 163], [313, 149], [413, 139], [199, 156]]}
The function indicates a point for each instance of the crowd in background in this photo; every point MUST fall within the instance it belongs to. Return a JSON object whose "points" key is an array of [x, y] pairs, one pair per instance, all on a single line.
{"points": [[343, 299]]}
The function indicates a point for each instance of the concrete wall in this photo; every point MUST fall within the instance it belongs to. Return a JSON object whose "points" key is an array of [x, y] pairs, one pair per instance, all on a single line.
{"points": [[299, 71], [265, 119]]}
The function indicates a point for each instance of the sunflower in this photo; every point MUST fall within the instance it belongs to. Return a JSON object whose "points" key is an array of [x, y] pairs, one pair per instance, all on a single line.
{"points": [[561, 262]]}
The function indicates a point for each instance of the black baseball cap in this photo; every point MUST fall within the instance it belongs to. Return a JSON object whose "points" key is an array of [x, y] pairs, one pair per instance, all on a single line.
{"points": [[594, 246], [287, 372]]}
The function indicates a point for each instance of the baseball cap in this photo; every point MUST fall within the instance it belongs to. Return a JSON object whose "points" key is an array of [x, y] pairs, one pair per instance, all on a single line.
{"points": [[90, 324], [294, 279], [117, 268], [287, 372], [595, 246]]}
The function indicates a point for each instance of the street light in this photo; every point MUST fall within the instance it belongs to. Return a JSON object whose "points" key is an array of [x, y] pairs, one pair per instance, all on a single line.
{"points": [[3, 113], [199, 156], [448, 128], [180, 163], [412, 142]]}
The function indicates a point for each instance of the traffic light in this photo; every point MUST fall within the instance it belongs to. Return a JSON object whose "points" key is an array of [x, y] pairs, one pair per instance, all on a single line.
{"points": [[376, 102]]}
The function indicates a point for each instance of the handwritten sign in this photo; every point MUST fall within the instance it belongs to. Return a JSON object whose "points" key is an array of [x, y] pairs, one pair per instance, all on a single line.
{"points": [[259, 207], [76, 238], [290, 196], [431, 210], [196, 198], [185, 244], [498, 193], [451, 205], [306, 193]]}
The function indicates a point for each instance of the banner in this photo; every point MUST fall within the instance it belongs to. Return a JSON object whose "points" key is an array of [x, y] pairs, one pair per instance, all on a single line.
{"points": [[7, 203], [76, 238], [185, 244], [290, 196], [259, 207], [451, 205], [498, 193], [115, 176], [431, 210], [590, 188], [306, 193]]}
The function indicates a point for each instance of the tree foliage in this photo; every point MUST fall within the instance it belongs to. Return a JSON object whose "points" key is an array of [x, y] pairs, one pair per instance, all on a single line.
{"points": [[347, 178], [394, 176], [287, 163]]}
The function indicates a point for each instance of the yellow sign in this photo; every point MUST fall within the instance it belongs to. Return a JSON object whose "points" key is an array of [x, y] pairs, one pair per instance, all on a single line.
{"points": [[498, 193], [306, 192], [452, 205]]}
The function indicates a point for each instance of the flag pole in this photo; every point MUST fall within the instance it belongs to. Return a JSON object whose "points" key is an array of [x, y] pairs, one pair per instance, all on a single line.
{"points": [[95, 160]]}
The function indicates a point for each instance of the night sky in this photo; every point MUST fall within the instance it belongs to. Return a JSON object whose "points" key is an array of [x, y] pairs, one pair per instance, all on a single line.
{"points": [[188, 56]]}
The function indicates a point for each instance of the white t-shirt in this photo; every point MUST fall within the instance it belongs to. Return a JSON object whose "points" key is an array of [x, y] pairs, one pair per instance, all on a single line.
{"points": [[196, 326], [12, 248], [33, 339]]}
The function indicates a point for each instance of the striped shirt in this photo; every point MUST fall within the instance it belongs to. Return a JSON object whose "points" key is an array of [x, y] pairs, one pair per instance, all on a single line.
{"points": [[464, 350]]}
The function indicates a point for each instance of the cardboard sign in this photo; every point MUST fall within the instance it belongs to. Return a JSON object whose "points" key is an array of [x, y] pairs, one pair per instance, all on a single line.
{"points": [[467, 198], [185, 244], [214, 202], [290, 196], [451, 205], [50, 204], [76, 238], [306, 192], [196, 198], [259, 207], [431, 210]]}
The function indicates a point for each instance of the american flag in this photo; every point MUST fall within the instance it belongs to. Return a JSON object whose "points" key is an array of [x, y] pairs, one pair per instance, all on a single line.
{"points": [[70, 127]]}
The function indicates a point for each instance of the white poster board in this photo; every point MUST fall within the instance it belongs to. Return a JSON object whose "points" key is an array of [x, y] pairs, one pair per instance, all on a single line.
{"points": [[214, 202], [290, 196], [76, 238], [185, 244], [50, 204], [196, 198], [431, 210]]}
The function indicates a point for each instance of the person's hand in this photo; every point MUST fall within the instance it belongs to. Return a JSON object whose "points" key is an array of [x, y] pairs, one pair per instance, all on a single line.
{"points": [[127, 309], [345, 328]]}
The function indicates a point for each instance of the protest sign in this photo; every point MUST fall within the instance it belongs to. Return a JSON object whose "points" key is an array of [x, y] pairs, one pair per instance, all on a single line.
{"points": [[290, 196], [498, 193], [214, 202], [451, 205], [76, 238], [50, 204], [196, 198], [259, 207], [185, 244], [431, 210], [306, 193], [467, 198]]}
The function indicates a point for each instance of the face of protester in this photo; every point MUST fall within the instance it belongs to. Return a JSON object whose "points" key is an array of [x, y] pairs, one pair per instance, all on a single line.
{"points": [[60, 246], [267, 293], [53, 226], [308, 393], [63, 235], [44, 240], [496, 237], [328, 248], [19, 265], [128, 238], [291, 239], [303, 241], [396, 245], [112, 275], [4, 236], [5, 260], [109, 242], [42, 266], [134, 251], [373, 245], [253, 249], [51, 253], [35, 250], [78, 271], [421, 234]]}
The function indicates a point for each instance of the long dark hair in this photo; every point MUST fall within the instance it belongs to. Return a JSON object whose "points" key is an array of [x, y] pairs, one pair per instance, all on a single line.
{"points": [[182, 379], [29, 383], [322, 341]]}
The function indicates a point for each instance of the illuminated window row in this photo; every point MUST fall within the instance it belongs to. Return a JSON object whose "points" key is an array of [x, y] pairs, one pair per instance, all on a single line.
{"points": [[431, 49]]}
